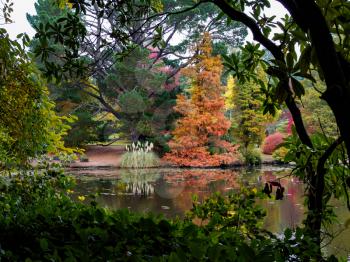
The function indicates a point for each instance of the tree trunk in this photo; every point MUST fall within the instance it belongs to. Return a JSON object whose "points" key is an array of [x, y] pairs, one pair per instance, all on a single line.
{"points": [[340, 105]]}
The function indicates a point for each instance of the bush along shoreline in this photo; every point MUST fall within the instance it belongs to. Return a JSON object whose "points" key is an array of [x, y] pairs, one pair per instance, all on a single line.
{"points": [[39, 221]]}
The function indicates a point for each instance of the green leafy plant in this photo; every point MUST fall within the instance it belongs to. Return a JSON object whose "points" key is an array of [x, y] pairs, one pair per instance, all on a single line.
{"points": [[29, 127], [252, 156], [280, 153], [40, 221]]}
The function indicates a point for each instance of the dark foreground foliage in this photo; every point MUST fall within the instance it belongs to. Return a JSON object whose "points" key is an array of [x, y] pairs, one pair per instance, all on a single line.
{"points": [[40, 222]]}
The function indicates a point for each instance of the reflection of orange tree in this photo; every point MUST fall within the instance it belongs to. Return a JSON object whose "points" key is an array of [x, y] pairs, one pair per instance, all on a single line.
{"points": [[200, 182], [200, 179], [197, 137]]}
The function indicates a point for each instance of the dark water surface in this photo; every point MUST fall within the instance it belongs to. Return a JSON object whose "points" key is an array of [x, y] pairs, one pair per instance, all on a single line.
{"points": [[169, 191]]}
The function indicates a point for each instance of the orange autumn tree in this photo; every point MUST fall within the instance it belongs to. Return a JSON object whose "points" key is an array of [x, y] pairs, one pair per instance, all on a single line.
{"points": [[197, 138]]}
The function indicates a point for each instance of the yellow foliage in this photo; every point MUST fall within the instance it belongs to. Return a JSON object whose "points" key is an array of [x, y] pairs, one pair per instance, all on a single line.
{"points": [[157, 5], [64, 3], [81, 198], [230, 93]]}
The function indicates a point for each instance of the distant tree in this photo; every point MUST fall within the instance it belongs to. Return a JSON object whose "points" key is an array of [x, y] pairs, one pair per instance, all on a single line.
{"points": [[272, 142], [317, 114], [141, 99], [248, 121], [197, 138]]}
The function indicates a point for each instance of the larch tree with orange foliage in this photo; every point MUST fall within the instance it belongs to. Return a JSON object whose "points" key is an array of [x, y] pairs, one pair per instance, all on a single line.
{"points": [[197, 138]]}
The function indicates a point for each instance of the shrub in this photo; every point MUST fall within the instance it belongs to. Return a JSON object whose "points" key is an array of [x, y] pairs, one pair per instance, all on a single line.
{"points": [[280, 153], [40, 222], [271, 142], [252, 157]]}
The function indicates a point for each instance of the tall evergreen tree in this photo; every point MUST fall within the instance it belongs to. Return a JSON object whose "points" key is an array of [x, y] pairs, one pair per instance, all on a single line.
{"points": [[135, 89], [142, 98]]}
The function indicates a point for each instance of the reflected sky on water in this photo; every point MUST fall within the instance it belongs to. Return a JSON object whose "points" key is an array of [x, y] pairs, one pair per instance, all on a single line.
{"points": [[170, 191]]}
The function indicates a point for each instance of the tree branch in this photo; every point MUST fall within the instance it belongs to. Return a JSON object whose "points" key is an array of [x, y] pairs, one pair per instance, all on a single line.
{"points": [[110, 142], [327, 153], [252, 25]]}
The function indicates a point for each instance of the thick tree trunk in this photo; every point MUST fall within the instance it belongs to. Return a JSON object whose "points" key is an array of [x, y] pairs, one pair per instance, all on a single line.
{"points": [[340, 105]]}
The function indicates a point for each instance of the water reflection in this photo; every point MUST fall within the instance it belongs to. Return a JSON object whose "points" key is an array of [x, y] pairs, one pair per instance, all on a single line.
{"points": [[169, 191], [138, 182]]}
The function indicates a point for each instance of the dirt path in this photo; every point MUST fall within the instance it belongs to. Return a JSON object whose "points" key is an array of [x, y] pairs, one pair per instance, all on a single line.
{"points": [[267, 159], [101, 156]]}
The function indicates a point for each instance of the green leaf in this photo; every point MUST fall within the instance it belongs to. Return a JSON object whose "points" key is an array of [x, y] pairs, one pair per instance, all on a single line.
{"points": [[221, 14], [197, 249], [280, 92], [174, 257], [304, 60], [298, 88], [44, 245], [288, 233], [290, 60], [305, 75]]}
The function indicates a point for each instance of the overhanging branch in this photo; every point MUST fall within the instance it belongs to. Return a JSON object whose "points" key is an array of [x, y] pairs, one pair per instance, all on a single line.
{"points": [[252, 25]]}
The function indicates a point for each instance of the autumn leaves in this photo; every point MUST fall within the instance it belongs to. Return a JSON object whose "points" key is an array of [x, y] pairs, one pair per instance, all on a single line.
{"points": [[197, 138]]}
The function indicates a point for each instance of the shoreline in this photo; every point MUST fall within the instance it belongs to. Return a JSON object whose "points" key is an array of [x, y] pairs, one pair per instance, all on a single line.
{"points": [[108, 158]]}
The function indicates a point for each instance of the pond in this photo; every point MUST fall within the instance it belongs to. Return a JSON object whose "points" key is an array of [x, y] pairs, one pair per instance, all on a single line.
{"points": [[170, 191]]}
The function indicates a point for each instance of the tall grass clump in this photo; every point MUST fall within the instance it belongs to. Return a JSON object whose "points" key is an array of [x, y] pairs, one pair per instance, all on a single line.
{"points": [[139, 155]]}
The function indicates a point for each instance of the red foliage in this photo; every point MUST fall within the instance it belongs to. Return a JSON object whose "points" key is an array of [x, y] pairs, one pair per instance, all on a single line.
{"points": [[153, 53], [288, 116], [200, 179], [289, 126], [271, 142], [198, 157]]}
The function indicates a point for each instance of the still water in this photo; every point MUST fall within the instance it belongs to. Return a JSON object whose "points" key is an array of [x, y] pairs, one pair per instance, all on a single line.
{"points": [[169, 191]]}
